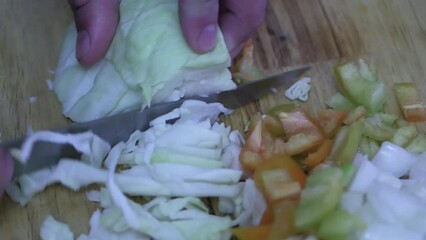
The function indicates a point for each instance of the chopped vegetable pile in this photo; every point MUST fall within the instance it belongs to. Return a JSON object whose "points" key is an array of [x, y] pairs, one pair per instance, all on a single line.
{"points": [[353, 172], [172, 165]]}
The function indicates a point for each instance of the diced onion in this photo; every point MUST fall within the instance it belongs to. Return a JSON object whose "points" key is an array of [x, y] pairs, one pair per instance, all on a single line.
{"points": [[394, 159]]}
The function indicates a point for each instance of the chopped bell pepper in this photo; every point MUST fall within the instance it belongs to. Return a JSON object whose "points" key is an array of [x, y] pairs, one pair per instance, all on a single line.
{"points": [[376, 130], [250, 160], [339, 224], [385, 118], [348, 171], [267, 217], [401, 123], [273, 125], [254, 120], [346, 143], [338, 143], [418, 144], [283, 225], [369, 146], [355, 115], [404, 135], [302, 132], [331, 121], [360, 85], [298, 121], [302, 142], [319, 156], [286, 107], [250, 155], [280, 161], [277, 184], [409, 101], [339, 102], [321, 196], [260, 144]]}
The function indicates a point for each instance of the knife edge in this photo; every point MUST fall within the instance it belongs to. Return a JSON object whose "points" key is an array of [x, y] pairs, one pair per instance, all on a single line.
{"points": [[112, 129]]}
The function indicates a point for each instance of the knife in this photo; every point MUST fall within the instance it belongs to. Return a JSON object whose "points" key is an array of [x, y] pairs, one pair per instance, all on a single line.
{"points": [[117, 128]]}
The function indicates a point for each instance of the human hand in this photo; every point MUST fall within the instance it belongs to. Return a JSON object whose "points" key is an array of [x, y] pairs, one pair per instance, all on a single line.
{"points": [[97, 20], [6, 169]]}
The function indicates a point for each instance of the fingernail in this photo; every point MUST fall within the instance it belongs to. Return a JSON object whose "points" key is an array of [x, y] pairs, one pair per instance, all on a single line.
{"points": [[83, 44], [207, 38]]}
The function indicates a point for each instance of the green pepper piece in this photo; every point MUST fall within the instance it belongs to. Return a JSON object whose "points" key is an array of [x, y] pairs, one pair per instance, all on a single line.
{"points": [[348, 172], [339, 142], [404, 135], [369, 93], [418, 144], [339, 225], [385, 118], [273, 125], [376, 130], [355, 115], [399, 123], [409, 101], [339, 102], [286, 107], [346, 143], [369, 146], [321, 196]]}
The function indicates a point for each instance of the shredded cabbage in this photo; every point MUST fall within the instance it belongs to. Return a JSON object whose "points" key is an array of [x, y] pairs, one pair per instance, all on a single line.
{"points": [[52, 229], [177, 211], [82, 142], [99, 231]]}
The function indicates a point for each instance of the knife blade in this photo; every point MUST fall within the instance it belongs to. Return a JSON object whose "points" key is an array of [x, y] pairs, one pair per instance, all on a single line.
{"points": [[117, 128]]}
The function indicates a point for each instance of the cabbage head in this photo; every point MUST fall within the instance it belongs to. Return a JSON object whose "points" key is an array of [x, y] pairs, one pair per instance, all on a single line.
{"points": [[148, 62]]}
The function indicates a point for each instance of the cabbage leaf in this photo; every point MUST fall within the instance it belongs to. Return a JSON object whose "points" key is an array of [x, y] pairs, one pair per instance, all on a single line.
{"points": [[148, 62]]}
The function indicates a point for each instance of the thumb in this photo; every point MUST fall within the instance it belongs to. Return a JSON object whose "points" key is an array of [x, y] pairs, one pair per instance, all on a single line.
{"points": [[199, 19], [6, 169]]}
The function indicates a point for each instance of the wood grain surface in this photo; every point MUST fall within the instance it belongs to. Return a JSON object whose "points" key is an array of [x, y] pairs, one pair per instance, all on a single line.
{"points": [[390, 34]]}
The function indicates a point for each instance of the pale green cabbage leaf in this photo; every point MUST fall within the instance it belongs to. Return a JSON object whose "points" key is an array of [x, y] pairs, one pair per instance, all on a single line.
{"points": [[51, 229], [148, 62]]}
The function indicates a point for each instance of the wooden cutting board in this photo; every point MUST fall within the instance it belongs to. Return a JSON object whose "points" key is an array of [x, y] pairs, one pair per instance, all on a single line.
{"points": [[391, 34]]}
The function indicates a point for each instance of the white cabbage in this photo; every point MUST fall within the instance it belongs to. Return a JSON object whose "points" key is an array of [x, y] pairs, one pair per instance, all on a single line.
{"points": [[177, 211], [51, 229], [148, 62]]}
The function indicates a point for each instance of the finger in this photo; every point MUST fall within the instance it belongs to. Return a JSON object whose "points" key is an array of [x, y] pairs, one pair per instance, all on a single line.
{"points": [[239, 22], [6, 169], [198, 19], [96, 22]]}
